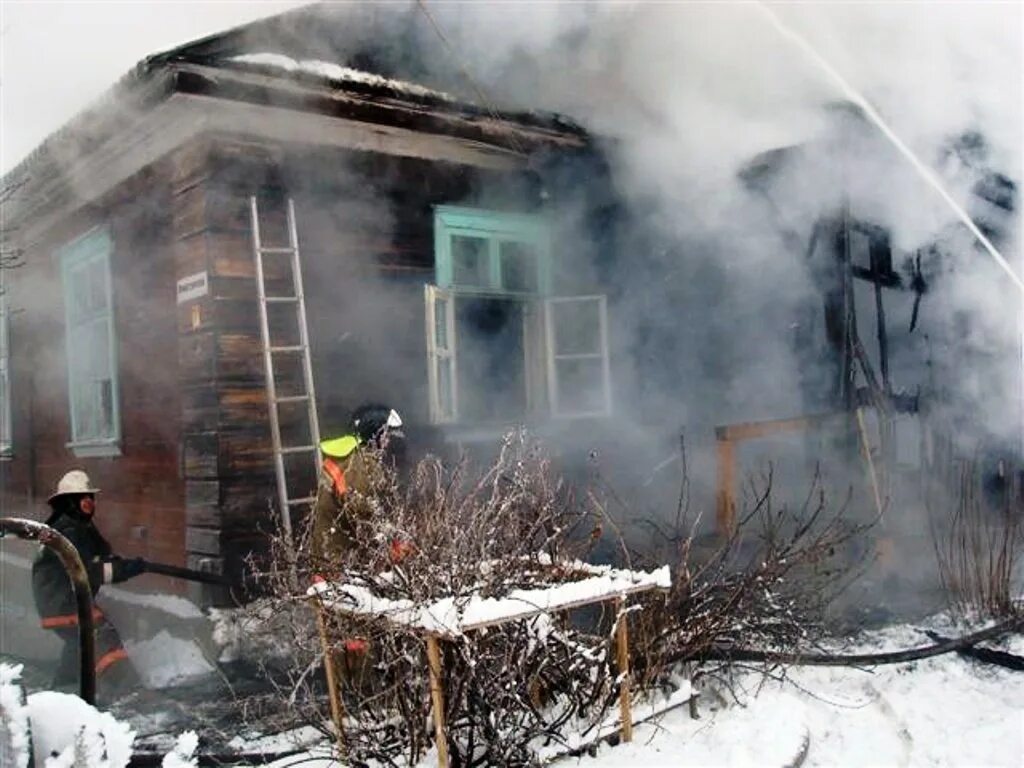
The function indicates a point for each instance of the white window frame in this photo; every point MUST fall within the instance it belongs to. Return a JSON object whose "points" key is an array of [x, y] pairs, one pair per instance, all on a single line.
{"points": [[559, 409], [541, 363], [437, 356], [91, 251]]}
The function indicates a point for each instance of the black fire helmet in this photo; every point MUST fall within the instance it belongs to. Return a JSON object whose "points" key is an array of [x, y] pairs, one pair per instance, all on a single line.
{"points": [[369, 422]]}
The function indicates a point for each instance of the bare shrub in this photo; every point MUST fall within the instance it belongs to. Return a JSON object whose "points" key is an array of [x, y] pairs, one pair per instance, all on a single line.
{"points": [[978, 543], [768, 584], [511, 690], [508, 690]]}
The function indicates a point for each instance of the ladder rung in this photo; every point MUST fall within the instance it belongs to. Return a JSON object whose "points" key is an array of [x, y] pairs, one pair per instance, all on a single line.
{"points": [[276, 250], [280, 299], [298, 449], [292, 399], [292, 348], [304, 500]]}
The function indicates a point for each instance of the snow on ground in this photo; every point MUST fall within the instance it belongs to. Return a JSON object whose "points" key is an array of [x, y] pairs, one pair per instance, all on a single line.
{"points": [[172, 605], [14, 728], [68, 732], [945, 711], [165, 660]]}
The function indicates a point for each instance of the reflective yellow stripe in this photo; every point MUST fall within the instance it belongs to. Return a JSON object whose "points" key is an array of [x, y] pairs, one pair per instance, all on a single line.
{"points": [[339, 447]]}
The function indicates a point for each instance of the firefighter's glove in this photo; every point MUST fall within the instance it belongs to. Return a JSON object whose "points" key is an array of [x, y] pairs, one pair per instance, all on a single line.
{"points": [[127, 568]]}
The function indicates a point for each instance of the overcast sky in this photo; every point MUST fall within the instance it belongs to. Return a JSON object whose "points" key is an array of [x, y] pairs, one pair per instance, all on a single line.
{"points": [[56, 57]]}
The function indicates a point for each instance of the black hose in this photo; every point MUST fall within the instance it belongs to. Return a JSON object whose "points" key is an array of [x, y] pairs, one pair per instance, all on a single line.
{"points": [[859, 659], [987, 655], [32, 530], [215, 760]]}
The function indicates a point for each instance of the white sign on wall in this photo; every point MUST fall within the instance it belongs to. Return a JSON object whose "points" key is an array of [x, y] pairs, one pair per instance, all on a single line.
{"points": [[193, 286]]}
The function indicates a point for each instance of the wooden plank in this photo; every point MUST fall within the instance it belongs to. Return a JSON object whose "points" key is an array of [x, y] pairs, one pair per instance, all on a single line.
{"points": [[196, 359], [205, 541], [202, 493], [203, 517], [622, 662], [869, 461], [332, 681], [199, 453], [531, 611], [437, 700], [725, 501], [754, 429]]}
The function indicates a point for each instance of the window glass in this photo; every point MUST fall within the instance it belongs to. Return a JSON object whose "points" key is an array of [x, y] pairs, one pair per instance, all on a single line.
{"points": [[578, 367], [444, 375], [92, 375], [518, 267], [470, 261], [577, 327], [441, 323], [581, 386]]}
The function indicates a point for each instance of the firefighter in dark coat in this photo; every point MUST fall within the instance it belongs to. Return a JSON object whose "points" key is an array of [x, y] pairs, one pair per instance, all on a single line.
{"points": [[73, 507]]}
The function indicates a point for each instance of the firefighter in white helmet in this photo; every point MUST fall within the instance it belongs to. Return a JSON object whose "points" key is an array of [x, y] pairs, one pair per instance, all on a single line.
{"points": [[73, 506]]}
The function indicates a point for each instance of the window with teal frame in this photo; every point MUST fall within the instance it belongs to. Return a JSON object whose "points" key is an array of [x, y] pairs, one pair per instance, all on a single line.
{"points": [[91, 345], [501, 349], [492, 252]]}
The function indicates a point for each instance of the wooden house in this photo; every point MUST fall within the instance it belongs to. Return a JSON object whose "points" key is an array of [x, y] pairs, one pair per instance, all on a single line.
{"points": [[432, 272]]}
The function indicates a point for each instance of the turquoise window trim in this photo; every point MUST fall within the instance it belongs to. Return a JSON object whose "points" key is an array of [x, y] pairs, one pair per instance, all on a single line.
{"points": [[495, 227], [90, 252]]}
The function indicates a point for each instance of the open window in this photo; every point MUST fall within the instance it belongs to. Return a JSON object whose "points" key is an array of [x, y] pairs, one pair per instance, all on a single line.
{"points": [[500, 348], [441, 355], [578, 373], [91, 346]]}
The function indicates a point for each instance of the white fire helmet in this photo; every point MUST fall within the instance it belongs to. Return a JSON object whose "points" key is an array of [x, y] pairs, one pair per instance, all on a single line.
{"points": [[75, 481]]}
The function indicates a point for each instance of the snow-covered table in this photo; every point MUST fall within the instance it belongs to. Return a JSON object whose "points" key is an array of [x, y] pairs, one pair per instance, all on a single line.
{"points": [[452, 617]]}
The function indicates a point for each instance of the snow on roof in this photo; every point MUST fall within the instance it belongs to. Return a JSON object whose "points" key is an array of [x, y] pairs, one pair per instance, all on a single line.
{"points": [[336, 73], [453, 616]]}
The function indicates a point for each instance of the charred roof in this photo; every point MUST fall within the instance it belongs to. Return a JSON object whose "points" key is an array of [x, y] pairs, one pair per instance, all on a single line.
{"points": [[304, 61]]}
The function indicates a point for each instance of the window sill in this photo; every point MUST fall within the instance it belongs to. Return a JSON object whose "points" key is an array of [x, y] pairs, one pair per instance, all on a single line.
{"points": [[95, 450]]}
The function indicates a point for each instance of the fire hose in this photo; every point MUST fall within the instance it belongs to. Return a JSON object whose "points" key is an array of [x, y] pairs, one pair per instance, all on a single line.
{"points": [[72, 562], [726, 653], [31, 530], [204, 577]]}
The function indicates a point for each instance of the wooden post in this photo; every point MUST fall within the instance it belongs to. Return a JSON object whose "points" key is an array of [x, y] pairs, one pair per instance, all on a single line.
{"points": [[437, 700], [866, 448], [622, 659], [726, 502], [694, 714], [337, 711]]}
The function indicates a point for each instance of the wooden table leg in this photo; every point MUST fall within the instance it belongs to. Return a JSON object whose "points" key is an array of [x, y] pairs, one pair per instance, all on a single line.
{"points": [[622, 659], [437, 700], [337, 711]]}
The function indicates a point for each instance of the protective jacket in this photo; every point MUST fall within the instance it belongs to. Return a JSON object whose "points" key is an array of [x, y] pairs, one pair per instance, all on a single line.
{"points": [[55, 598], [343, 501]]}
